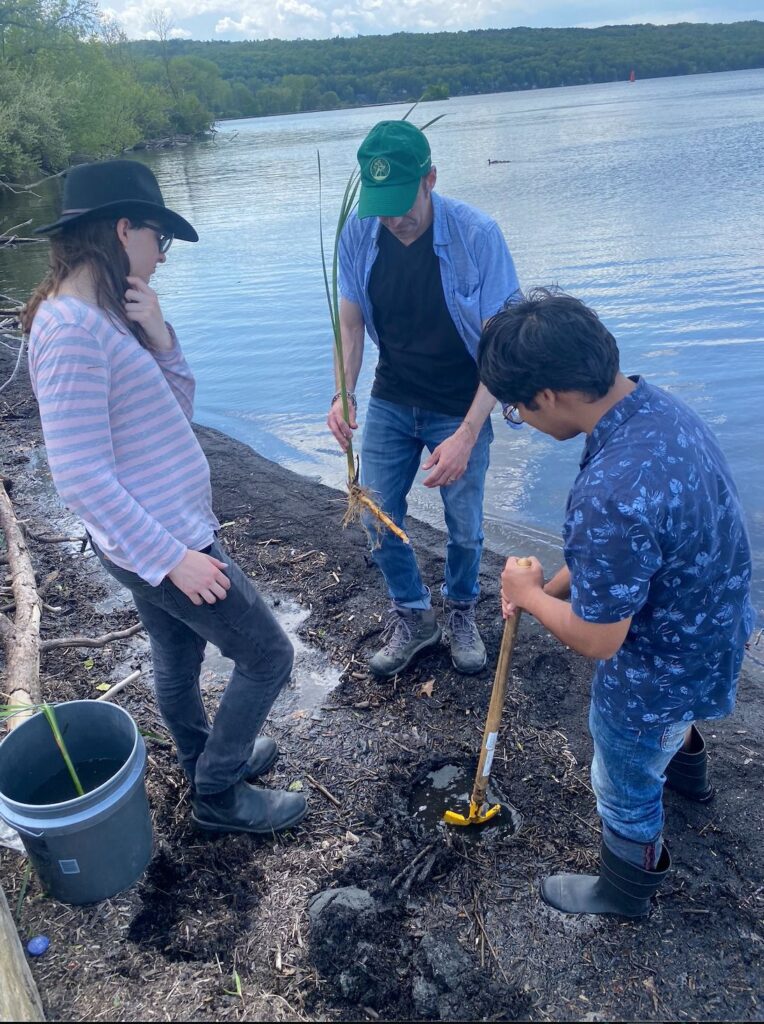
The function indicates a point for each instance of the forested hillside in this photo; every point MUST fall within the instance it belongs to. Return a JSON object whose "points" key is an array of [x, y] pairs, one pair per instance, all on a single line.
{"points": [[282, 77]]}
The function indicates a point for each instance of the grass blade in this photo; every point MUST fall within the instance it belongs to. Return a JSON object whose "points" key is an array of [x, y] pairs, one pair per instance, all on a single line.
{"points": [[50, 715]]}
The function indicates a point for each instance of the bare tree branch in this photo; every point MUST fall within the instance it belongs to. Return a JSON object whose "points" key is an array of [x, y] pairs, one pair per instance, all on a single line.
{"points": [[89, 641]]}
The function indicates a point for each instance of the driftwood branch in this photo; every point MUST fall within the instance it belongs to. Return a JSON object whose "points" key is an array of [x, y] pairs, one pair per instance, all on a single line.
{"points": [[114, 690], [90, 641], [16, 368], [58, 538], [19, 998], [22, 645]]}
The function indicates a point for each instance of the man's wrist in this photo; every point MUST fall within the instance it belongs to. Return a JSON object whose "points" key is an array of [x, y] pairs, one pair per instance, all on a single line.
{"points": [[351, 398], [535, 598], [470, 429]]}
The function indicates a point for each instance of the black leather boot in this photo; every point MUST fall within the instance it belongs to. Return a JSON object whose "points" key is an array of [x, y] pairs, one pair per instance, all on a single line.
{"points": [[264, 754], [263, 757], [245, 808], [620, 888], [687, 771]]}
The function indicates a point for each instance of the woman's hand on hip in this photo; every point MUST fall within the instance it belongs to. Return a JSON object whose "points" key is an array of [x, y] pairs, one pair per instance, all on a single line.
{"points": [[201, 578]]}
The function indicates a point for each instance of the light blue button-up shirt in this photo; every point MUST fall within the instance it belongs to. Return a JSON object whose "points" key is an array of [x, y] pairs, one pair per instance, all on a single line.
{"points": [[476, 267]]}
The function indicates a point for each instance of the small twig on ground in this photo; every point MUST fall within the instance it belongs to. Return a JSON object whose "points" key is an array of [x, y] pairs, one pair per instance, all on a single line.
{"points": [[478, 922], [411, 865], [120, 686], [585, 822], [90, 641], [56, 539], [324, 791]]}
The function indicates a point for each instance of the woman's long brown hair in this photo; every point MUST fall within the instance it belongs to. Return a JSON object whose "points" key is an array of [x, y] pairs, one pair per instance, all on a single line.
{"points": [[93, 244]]}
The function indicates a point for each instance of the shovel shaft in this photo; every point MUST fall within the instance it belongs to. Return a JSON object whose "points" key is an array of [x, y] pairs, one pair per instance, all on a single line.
{"points": [[495, 708]]}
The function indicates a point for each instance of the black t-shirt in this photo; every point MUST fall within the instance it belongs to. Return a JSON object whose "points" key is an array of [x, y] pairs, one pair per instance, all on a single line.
{"points": [[422, 359]]}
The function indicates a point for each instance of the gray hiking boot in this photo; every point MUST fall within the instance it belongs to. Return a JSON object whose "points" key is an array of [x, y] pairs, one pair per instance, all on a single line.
{"points": [[407, 632], [467, 649]]}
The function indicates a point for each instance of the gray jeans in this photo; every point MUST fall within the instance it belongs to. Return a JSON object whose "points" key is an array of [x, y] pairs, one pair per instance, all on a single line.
{"points": [[244, 629]]}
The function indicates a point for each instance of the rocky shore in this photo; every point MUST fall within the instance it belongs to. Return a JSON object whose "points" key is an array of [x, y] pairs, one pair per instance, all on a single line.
{"points": [[368, 911]]}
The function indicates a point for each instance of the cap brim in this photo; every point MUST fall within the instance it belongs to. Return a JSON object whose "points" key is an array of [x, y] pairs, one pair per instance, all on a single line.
{"points": [[387, 200], [167, 219]]}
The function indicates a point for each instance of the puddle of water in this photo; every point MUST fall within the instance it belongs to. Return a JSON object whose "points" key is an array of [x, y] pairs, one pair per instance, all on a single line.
{"points": [[448, 788], [313, 676]]}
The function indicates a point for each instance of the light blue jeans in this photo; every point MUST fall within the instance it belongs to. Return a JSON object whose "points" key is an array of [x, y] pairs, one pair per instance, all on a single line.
{"points": [[628, 773], [393, 440]]}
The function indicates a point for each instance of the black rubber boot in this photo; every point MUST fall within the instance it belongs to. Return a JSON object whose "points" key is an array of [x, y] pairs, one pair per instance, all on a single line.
{"points": [[245, 808], [687, 771], [620, 888], [263, 756]]}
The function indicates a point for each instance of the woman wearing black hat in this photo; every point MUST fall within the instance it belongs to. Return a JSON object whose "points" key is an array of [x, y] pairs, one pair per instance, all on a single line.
{"points": [[116, 400]]}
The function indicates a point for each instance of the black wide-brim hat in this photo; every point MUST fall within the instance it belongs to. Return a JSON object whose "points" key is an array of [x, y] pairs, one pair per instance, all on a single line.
{"points": [[116, 188]]}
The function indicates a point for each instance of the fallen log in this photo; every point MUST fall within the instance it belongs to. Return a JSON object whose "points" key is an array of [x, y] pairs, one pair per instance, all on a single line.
{"points": [[19, 998], [22, 643]]}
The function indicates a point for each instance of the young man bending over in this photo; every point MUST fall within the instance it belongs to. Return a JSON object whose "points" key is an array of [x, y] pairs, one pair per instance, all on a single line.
{"points": [[655, 587]]}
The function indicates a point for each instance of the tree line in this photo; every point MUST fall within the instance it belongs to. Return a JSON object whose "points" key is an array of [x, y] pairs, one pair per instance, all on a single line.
{"points": [[72, 85], [277, 77]]}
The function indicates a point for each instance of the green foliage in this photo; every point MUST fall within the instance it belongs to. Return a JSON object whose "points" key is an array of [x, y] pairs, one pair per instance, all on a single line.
{"points": [[70, 86], [283, 77], [435, 92], [31, 135]]}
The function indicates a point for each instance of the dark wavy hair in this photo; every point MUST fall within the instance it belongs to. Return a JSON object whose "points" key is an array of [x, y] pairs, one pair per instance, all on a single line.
{"points": [[550, 340], [95, 244]]}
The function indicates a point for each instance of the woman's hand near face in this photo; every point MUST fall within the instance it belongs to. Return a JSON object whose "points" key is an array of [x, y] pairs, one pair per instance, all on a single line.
{"points": [[142, 307]]}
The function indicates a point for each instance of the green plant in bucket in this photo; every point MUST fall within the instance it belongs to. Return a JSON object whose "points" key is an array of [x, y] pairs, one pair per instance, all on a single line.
{"points": [[9, 710]]}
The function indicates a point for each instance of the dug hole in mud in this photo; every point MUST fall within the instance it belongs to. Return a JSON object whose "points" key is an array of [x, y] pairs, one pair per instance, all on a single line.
{"points": [[367, 910]]}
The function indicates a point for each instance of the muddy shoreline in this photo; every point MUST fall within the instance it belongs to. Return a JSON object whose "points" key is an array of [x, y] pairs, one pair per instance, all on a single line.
{"points": [[220, 929]]}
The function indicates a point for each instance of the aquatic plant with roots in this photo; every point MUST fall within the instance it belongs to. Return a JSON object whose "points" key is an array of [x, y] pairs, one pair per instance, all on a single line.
{"points": [[359, 499]]}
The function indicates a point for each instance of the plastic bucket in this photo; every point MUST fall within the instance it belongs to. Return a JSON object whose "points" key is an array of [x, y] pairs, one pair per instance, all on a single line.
{"points": [[91, 847]]}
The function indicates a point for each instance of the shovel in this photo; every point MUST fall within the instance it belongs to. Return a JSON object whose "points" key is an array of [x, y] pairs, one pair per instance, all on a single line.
{"points": [[479, 811]]}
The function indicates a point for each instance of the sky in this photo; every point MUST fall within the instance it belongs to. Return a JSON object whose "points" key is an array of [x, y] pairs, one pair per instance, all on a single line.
{"points": [[323, 19]]}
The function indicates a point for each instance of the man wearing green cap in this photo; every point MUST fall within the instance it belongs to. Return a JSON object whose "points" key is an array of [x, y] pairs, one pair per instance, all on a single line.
{"points": [[421, 274]]}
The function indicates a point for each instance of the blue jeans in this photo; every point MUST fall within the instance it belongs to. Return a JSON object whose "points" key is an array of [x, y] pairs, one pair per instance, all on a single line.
{"points": [[393, 440], [242, 626], [627, 778]]}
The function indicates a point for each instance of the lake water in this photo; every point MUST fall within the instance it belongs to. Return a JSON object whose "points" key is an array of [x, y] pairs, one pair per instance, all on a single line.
{"points": [[645, 200]]}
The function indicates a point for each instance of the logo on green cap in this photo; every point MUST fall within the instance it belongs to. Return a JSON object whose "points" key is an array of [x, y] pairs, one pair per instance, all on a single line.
{"points": [[379, 169]]}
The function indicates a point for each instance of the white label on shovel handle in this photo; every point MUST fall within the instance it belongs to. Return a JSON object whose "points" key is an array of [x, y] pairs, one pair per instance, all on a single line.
{"points": [[490, 748]]}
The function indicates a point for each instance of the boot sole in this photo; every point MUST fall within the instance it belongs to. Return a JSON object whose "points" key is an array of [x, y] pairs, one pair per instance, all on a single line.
{"points": [[430, 642], [469, 671], [213, 826]]}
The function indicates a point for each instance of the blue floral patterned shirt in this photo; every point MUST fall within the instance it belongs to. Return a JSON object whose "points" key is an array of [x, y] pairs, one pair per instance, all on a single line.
{"points": [[654, 530]]}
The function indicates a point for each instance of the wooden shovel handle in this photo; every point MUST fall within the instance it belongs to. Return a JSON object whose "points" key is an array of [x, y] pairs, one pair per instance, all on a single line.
{"points": [[495, 708]]}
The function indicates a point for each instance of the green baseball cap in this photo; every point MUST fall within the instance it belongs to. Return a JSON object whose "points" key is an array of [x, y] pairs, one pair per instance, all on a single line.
{"points": [[394, 157]]}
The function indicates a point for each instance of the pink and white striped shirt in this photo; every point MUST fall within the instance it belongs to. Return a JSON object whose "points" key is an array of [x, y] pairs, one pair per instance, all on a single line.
{"points": [[116, 419]]}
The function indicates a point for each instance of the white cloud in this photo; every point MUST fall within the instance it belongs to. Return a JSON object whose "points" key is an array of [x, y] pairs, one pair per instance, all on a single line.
{"points": [[317, 19]]}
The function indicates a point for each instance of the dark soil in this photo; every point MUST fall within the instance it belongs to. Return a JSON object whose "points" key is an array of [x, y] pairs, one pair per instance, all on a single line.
{"points": [[219, 929]]}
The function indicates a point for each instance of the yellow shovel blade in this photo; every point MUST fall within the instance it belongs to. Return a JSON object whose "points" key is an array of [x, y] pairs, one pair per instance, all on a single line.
{"points": [[475, 816]]}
